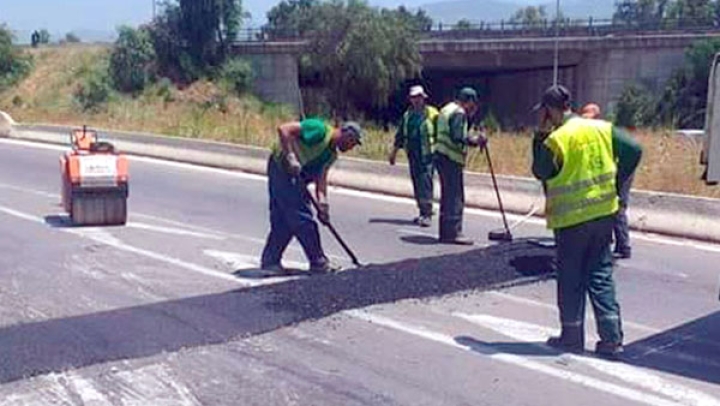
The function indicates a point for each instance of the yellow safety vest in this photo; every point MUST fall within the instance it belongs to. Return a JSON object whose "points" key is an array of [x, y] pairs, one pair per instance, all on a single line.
{"points": [[445, 145], [428, 131], [585, 188]]}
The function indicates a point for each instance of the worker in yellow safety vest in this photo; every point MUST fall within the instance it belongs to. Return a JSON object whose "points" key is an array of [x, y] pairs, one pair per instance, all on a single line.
{"points": [[581, 161], [416, 135], [453, 140]]}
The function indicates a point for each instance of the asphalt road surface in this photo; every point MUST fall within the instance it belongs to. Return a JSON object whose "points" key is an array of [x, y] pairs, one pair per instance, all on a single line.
{"points": [[171, 310]]}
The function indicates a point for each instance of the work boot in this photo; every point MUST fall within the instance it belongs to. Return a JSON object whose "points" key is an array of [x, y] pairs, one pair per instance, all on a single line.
{"points": [[568, 342], [277, 268], [609, 350], [424, 221], [325, 268], [622, 253], [458, 240]]}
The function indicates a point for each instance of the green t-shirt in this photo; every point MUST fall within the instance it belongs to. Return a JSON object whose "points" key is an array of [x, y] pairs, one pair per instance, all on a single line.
{"points": [[315, 153]]}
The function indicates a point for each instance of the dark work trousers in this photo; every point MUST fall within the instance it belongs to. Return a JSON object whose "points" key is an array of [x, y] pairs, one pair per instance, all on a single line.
{"points": [[421, 172], [290, 216], [621, 228], [452, 197], [585, 267]]}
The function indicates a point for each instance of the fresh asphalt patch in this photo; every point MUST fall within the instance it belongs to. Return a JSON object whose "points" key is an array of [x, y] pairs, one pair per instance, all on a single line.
{"points": [[56, 345]]}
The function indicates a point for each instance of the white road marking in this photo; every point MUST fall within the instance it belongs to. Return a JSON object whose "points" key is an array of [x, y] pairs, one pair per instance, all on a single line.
{"points": [[535, 303], [532, 333], [149, 385], [239, 261], [173, 231], [103, 237], [153, 385], [518, 361], [376, 196], [88, 393]]}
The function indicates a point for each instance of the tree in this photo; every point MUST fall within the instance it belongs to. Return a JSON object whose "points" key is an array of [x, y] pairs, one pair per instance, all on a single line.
{"points": [[691, 13], [14, 65], [131, 60], [192, 37], [72, 38], [43, 37], [640, 12], [530, 16], [209, 26], [359, 53], [419, 20], [290, 18], [463, 25]]}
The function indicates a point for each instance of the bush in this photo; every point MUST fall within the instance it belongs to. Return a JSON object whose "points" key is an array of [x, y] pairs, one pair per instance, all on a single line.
{"points": [[131, 61], [72, 38], [635, 107], [14, 65], [236, 75], [94, 91]]}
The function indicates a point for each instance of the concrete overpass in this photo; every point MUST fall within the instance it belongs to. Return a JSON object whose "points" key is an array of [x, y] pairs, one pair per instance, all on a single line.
{"points": [[510, 72]]}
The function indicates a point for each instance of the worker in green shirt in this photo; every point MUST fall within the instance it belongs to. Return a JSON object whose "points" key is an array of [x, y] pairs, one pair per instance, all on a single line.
{"points": [[453, 140], [416, 135], [303, 154], [581, 162]]}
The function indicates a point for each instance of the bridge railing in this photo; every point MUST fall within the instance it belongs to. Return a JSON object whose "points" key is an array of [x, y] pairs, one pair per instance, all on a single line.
{"points": [[590, 27]]}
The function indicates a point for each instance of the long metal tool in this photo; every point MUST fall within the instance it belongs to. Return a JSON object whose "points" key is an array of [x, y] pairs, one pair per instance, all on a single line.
{"points": [[498, 235], [332, 229]]}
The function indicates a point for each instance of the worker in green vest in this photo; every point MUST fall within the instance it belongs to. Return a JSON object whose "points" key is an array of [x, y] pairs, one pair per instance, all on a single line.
{"points": [[303, 154], [451, 147], [416, 135], [581, 163]]}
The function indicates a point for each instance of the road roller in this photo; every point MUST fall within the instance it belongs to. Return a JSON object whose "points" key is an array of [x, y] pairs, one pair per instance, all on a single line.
{"points": [[94, 179]]}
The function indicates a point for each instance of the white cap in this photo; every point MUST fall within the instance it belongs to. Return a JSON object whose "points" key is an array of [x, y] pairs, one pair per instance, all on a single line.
{"points": [[417, 91]]}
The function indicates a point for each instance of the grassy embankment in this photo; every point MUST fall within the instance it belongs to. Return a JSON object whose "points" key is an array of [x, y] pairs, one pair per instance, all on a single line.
{"points": [[202, 110]]}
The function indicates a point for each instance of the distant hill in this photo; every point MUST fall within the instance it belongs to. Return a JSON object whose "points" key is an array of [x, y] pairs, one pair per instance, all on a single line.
{"points": [[449, 12]]}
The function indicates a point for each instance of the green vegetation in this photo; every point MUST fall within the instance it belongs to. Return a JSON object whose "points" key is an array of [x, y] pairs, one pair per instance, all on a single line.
{"points": [[14, 64]]}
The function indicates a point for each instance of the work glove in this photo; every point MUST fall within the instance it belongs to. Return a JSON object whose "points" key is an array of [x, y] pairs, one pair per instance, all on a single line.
{"points": [[323, 213], [478, 140], [293, 164]]}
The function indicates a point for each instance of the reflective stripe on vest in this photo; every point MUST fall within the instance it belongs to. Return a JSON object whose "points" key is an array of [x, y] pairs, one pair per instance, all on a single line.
{"points": [[427, 129], [585, 188], [445, 145]]}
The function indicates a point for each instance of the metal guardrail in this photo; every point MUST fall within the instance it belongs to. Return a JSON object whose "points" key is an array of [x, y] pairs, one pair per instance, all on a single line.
{"points": [[589, 27]]}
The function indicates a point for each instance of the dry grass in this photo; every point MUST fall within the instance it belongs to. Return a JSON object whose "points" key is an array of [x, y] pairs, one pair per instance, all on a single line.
{"points": [[670, 162]]}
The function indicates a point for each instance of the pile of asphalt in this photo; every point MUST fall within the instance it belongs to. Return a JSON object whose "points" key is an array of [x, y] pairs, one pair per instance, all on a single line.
{"points": [[492, 267]]}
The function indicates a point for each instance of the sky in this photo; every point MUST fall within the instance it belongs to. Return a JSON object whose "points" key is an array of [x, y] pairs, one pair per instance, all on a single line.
{"points": [[104, 16]]}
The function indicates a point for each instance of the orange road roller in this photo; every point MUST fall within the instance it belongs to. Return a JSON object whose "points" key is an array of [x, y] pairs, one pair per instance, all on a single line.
{"points": [[94, 180]]}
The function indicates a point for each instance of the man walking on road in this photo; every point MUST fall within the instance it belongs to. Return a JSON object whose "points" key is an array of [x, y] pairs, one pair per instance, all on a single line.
{"points": [[303, 154], [580, 162], [451, 149], [416, 135], [621, 228]]}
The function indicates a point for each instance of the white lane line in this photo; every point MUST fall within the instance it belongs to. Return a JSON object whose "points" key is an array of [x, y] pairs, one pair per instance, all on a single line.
{"points": [[88, 393], [239, 261], [103, 237], [535, 303], [532, 333], [376, 196], [518, 361], [29, 191], [174, 231], [153, 385]]}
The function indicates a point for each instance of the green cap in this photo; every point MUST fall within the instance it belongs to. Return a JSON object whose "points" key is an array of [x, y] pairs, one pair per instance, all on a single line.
{"points": [[468, 94]]}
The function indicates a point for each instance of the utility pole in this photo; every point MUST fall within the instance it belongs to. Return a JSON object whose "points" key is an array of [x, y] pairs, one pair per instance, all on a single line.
{"points": [[154, 9], [557, 45]]}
